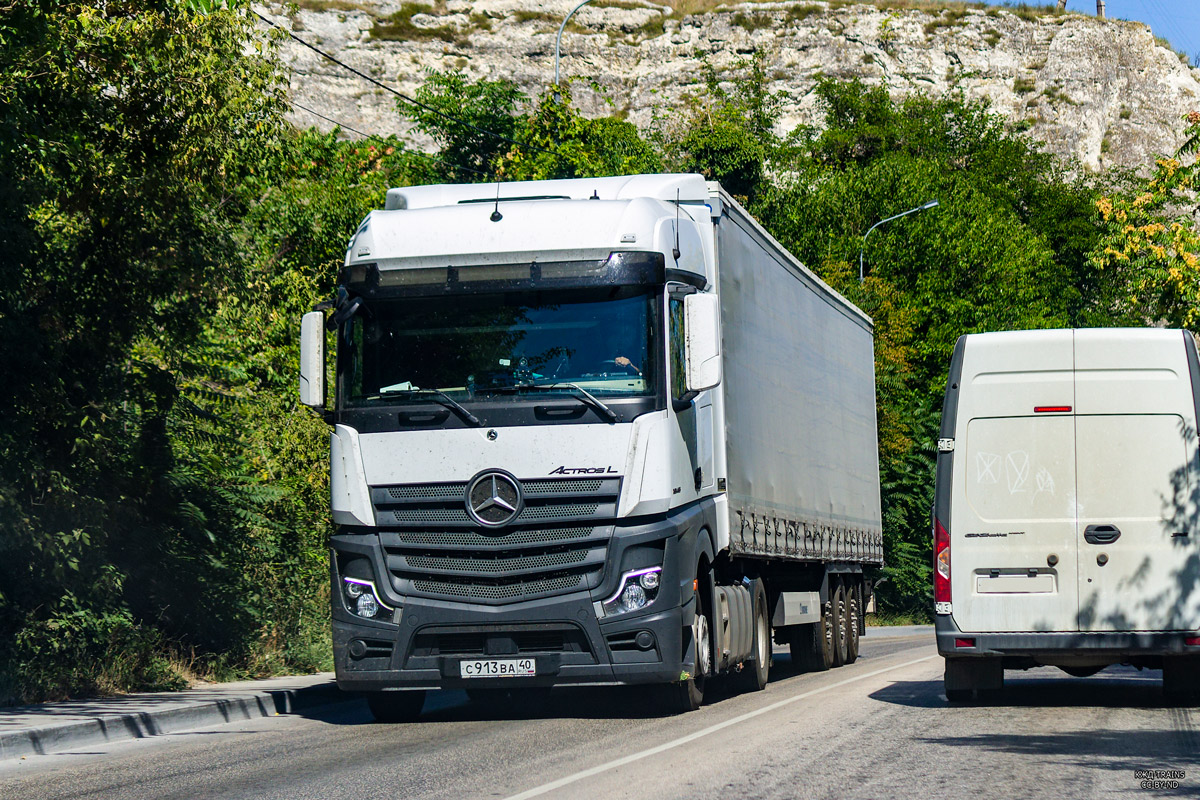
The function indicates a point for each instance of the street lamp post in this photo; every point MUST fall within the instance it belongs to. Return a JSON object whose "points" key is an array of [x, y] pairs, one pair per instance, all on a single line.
{"points": [[558, 42], [862, 249]]}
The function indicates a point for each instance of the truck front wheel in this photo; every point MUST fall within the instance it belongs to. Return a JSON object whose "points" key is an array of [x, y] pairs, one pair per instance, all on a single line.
{"points": [[687, 694]]}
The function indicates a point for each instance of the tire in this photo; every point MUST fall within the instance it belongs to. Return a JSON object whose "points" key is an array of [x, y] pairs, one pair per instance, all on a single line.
{"points": [[1081, 672], [812, 644], [688, 695], [960, 695], [756, 669], [840, 632], [390, 707], [853, 606], [972, 678]]}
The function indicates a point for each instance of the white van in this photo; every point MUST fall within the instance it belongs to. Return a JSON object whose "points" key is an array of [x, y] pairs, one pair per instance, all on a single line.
{"points": [[1065, 524]]}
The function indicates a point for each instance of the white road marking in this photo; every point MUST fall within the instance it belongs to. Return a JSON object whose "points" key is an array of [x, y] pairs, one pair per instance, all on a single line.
{"points": [[691, 737]]}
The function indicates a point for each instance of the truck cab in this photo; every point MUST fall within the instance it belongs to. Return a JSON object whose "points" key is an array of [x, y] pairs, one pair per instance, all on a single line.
{"points": [[522, 461]]}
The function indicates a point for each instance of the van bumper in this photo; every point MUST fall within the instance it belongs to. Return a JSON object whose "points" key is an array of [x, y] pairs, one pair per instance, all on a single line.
{"points": [[1118, 645]]}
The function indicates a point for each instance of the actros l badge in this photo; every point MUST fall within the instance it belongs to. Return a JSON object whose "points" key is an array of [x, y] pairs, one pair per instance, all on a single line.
{"points": [[494, 498]]}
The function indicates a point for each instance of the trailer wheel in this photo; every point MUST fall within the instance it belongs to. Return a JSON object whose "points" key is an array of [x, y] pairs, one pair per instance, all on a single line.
{"points": [[812, 644], [840, 628], [688, 694], [396, 706], [853, 606], [756, 669]]}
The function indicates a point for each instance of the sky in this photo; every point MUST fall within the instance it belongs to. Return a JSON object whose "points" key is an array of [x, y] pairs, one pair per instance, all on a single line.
{"points": [[1177, 21]]}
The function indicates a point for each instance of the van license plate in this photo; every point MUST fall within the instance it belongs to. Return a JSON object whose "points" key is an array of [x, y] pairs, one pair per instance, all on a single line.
{"points": [[498, 668]]}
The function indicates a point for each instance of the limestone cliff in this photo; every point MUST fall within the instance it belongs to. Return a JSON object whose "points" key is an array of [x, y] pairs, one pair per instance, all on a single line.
{"points": [[1103, 92]]}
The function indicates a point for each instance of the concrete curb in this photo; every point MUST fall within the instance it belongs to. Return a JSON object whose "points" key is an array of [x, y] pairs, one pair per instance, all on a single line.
{"points": [[88, 723]]}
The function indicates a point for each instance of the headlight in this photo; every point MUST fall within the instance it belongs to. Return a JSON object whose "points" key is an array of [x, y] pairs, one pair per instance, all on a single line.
{"points": [[637, 589], [363, 600]]}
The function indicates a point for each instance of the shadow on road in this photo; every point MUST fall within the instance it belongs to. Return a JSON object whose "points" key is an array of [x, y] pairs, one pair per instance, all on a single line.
{"points": [[601, 702], [1115, 687]]}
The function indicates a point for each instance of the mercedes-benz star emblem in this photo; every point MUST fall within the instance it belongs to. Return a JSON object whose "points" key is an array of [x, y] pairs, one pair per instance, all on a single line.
{"points": [[494, 498]]}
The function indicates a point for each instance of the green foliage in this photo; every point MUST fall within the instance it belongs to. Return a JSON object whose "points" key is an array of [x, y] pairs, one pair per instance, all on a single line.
{"points": [[556, 141], [730, 135], [462, 112], [128, 131], [1148, 254]]}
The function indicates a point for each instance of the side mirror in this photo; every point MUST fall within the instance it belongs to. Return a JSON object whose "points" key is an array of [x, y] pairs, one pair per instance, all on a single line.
{"points": [[312, 360], [702, 314]]}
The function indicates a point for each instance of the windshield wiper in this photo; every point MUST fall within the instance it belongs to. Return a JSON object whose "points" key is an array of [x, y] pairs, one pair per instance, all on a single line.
{"points": [[438, 396], [583, 394]]}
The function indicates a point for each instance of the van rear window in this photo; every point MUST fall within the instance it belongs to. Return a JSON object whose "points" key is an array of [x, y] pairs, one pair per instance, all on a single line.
{"points": [[1021, 468]]}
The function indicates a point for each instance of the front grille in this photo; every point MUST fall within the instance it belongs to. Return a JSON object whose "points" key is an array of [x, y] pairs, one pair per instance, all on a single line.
{"points": [[556, 545], [499, 591], [444, 504], [473, 540], [427, 491], [488, 565]]}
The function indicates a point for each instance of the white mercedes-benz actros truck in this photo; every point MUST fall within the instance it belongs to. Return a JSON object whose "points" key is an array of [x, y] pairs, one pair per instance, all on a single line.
{"points": [[591, 431]]}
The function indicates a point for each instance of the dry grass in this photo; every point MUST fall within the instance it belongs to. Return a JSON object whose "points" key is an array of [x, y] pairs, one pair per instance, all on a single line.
{"points": [[331, 5], [1024, 10]]}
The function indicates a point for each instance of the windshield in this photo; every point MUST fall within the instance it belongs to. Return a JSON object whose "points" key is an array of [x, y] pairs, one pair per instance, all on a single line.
{"points": [[501, 346]]}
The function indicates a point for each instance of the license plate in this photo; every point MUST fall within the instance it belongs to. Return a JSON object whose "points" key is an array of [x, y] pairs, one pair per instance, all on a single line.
{"points": [[497, 668]]}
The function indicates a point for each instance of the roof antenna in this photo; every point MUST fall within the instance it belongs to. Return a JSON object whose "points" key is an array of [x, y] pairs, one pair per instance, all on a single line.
{"points": [[675, 252], [496, 215]]}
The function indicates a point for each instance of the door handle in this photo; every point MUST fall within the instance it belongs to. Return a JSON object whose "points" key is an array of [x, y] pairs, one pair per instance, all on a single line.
{"points": [[1101, 534]]}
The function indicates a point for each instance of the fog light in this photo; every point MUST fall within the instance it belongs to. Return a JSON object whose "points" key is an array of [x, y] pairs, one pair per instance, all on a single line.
{"points": [[649, 580], [353, 589], [366, 605]]}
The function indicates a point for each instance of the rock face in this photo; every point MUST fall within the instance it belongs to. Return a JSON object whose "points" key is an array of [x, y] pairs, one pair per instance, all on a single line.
{"points": [[1099, 93]]}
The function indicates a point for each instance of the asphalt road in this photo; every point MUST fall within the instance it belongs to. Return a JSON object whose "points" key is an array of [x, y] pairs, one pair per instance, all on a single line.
{"points": [[880, 728]]}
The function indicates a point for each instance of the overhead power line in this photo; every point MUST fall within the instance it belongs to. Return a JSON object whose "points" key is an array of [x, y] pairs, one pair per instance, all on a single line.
{"points": [[341, 125], [437, 112], [402, 149]]}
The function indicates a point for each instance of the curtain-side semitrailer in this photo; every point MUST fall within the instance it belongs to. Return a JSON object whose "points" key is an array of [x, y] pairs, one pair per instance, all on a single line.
{"points": [[592, 431]]}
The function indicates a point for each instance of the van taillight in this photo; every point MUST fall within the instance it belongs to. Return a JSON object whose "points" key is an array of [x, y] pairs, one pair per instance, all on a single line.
{"points": [[941, 560]]}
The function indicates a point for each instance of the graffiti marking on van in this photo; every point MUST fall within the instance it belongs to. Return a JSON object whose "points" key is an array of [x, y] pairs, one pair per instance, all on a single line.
{"points": [[1045, 481], [1017, 470], [986, 465]]}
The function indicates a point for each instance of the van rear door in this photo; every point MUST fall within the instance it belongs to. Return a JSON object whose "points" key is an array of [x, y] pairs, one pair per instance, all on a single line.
{"points": [[1013, 540], [1139, 545]]}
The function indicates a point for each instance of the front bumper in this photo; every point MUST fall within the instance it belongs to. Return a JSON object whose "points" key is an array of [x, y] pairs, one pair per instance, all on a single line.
{"points": [[562, 634], [1048, 647]]}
